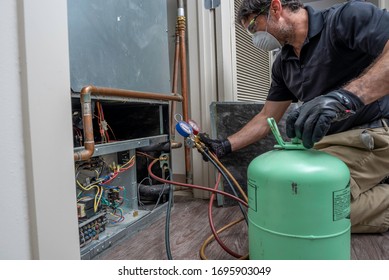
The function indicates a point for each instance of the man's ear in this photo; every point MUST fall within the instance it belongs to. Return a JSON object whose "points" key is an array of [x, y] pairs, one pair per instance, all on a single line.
{"points": [[276, 8]]}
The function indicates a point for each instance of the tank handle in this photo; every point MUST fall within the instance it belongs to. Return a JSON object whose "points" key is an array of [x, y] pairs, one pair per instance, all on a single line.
{"points": [[294, 145]]}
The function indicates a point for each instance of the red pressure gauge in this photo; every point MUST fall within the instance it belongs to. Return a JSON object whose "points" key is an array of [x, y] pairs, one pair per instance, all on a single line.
{"points": [[195, 127]]}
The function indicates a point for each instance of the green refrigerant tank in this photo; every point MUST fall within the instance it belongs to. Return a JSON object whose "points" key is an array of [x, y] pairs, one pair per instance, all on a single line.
{"points": [[299, 204]]}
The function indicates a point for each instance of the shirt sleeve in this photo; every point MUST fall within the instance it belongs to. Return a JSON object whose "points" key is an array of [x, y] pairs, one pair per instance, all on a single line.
{"points": [[278, 90], [362, 26]]}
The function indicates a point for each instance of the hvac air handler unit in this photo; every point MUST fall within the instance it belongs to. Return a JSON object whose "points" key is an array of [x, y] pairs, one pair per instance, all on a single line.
{"points": [[299, 204]]}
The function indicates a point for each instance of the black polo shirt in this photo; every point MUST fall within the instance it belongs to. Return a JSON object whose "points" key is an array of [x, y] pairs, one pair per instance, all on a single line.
{"points": [[342, 41]]}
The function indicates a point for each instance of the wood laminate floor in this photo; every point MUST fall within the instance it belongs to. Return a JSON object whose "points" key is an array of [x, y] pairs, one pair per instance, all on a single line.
{"points": [[189, 228]]}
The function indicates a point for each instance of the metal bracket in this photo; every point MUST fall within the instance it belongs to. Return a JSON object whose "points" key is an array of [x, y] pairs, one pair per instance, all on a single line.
{"points": [[211, 4], [164, 164]]}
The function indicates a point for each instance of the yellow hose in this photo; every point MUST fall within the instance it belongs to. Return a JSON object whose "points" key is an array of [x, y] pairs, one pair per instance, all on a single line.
{"points": [[211, 238]]}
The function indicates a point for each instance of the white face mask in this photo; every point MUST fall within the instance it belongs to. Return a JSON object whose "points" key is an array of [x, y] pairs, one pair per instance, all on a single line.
{"points": [[265, 41]]}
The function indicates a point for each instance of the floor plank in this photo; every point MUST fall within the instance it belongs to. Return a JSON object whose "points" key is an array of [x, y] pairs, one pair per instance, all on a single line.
{"points": [[189, 228], [370, 246]]}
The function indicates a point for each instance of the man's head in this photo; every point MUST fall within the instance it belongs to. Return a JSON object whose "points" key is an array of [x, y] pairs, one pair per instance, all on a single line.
{"points": [[255, 7], [267, 21]]}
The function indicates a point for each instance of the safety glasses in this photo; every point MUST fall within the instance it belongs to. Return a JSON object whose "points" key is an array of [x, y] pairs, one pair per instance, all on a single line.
{"points": [[251, 28]]}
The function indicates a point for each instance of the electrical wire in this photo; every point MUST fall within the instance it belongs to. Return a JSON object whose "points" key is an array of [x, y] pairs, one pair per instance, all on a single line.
{"points": [[102, 120], [145, 155], [101, 130], [120, 217], [119, 170], [150, 181], [78, 134], [159, 197], [110, 128], [88, 188], [98, 184], [102, 123], [98, 200]]}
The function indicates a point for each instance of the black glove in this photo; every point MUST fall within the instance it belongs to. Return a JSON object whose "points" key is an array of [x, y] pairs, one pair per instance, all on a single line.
{"points": [[312, 120], [219, 147]]}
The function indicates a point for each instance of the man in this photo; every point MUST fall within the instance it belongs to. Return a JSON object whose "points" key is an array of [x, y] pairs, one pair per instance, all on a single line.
{"points": [[336, 61]]}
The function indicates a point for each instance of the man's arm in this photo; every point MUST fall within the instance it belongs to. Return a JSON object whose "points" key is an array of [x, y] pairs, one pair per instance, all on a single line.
{"points": [[374, 82], [312, 120], [254, 130], [257, 128]]}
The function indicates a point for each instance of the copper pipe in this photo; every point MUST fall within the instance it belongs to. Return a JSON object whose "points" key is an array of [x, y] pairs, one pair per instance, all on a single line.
{"points": [[175, 145], [175, 83], [184, 91], [184, 83], [89, 142], [101, 91], [86, 106]]}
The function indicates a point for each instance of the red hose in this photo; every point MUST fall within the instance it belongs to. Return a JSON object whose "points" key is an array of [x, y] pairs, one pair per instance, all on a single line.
{"points": [[211, 224], [192, 186]]}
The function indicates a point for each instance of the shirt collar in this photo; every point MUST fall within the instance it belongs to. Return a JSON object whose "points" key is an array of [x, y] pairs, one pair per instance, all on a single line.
{"points": [[315, 26]]}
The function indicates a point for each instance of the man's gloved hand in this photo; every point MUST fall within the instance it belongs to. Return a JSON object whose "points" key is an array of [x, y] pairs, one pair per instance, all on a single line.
{"points": [[219, 147], [312, 120]]}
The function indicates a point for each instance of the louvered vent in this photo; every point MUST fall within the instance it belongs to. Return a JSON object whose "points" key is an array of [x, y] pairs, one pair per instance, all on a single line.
{"points": [[252, 66]]}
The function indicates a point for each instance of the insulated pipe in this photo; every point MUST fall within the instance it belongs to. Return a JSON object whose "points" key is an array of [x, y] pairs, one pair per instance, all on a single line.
{"points": [[86, 106], [184, 82]]}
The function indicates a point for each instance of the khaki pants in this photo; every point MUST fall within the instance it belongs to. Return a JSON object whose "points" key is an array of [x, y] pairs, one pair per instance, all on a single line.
{"points": [[368, 161]]}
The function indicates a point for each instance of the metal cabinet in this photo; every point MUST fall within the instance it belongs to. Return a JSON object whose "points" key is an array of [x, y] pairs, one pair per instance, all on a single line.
{"points": [[131, 199], [120, 44]]}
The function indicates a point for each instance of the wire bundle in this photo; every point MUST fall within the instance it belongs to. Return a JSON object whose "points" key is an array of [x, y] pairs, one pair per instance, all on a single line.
{"points": [[101, 183]]}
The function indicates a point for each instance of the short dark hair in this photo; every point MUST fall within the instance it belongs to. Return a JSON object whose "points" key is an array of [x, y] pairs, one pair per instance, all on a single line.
{"points": [[249, 7]]}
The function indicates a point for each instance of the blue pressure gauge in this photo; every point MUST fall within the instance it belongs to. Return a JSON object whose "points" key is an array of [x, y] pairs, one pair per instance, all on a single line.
{"points": [[184, 129]]}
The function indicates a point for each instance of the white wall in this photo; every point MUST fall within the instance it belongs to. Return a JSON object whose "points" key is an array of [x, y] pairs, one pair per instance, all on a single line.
{"points": [[14, 233], [38, 208], [203, 81], [384, 4]]}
